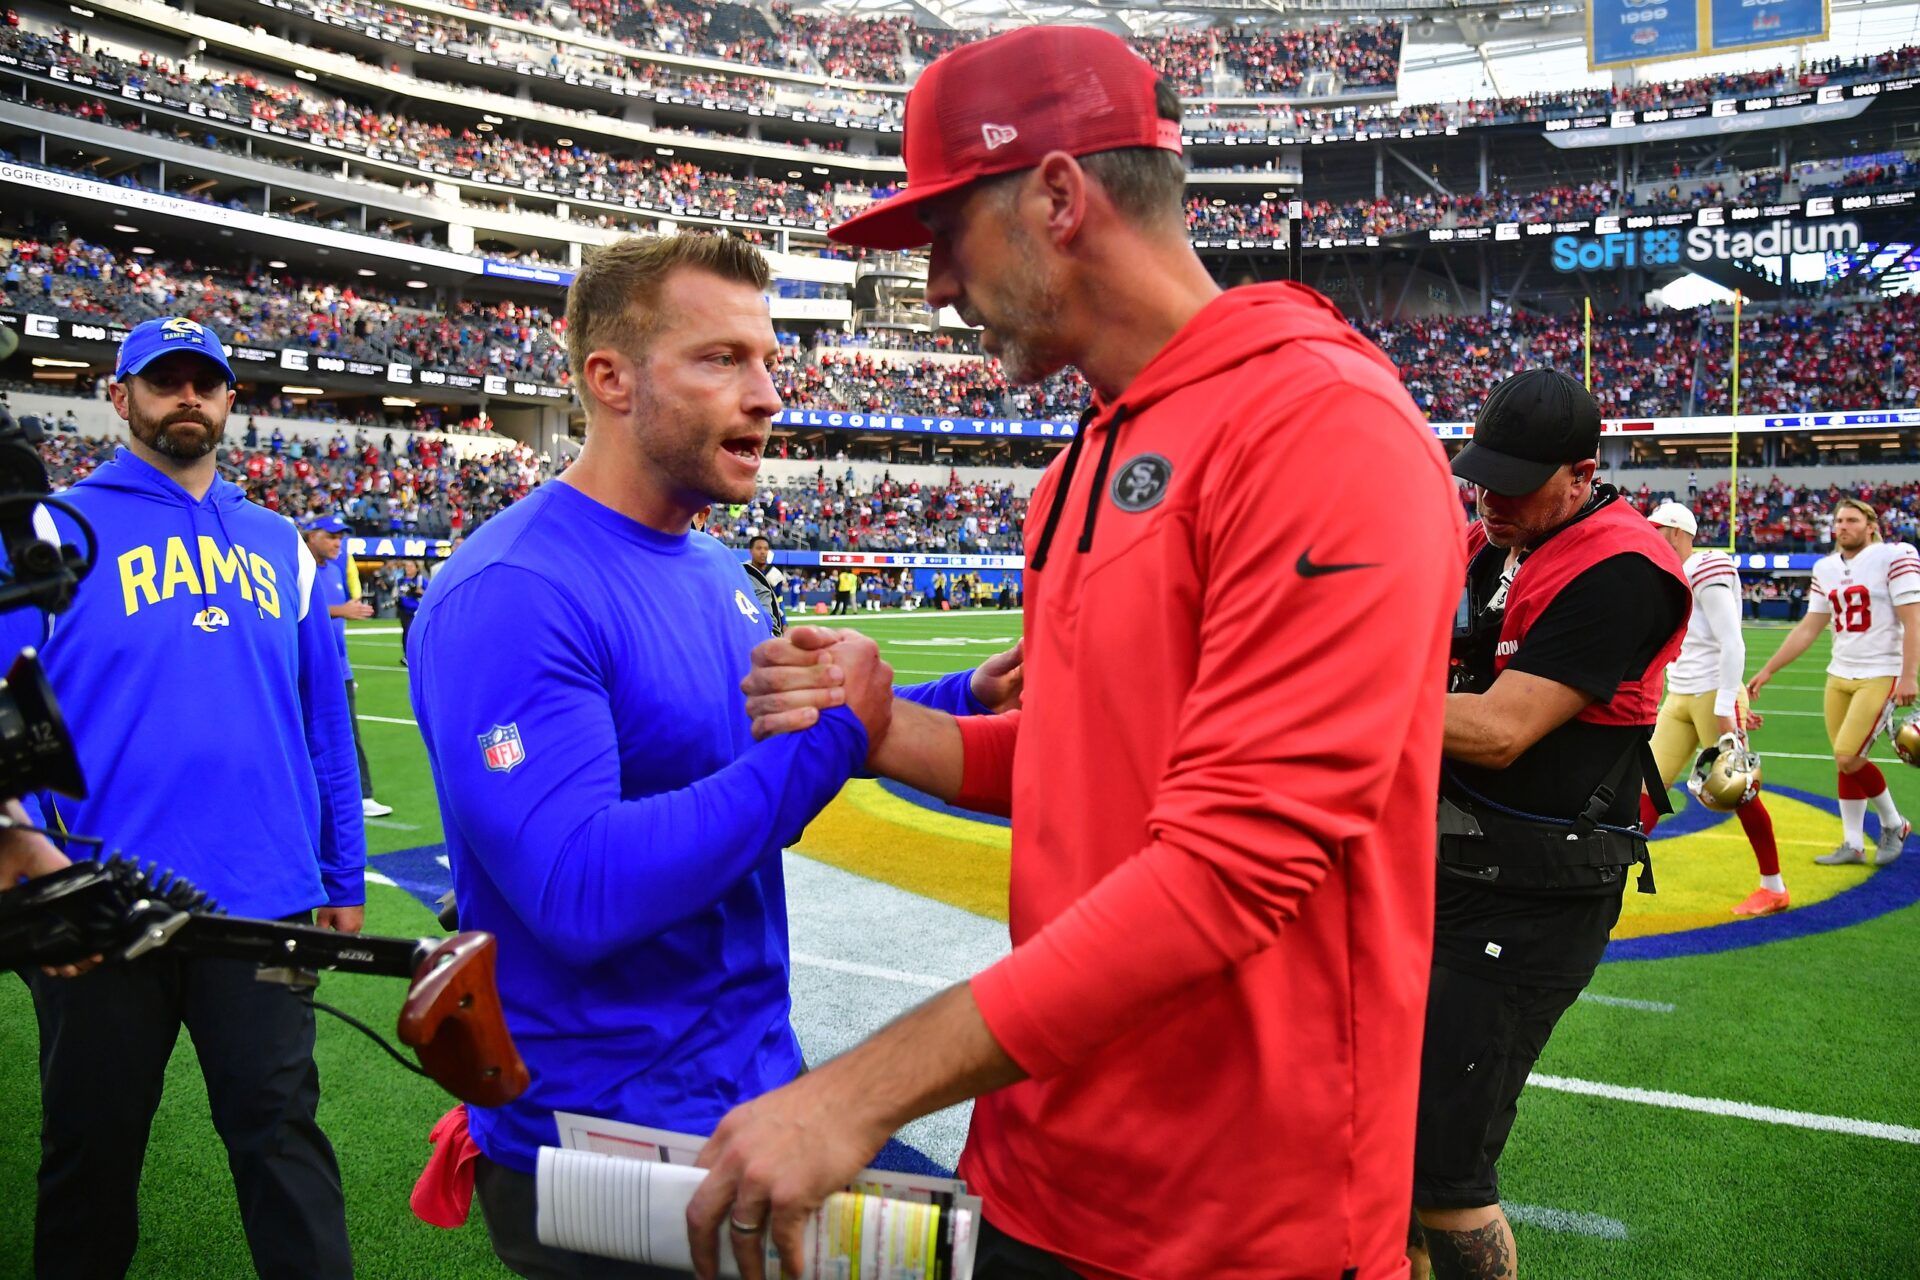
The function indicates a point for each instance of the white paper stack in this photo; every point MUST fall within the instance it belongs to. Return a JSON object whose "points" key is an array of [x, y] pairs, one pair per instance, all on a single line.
{"points": [[632, 1206]]}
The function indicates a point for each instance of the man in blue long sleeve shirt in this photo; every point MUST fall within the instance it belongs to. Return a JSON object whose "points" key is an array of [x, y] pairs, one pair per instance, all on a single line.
{"points": [[199, 678], [576, 675]]}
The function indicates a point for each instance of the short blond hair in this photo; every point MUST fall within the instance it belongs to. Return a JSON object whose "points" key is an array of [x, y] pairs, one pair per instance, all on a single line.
{"points": [[615, 299], [1865, 509]]}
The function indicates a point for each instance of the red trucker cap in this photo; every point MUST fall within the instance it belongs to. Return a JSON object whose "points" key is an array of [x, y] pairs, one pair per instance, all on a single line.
{"points": [[1004, 103]]}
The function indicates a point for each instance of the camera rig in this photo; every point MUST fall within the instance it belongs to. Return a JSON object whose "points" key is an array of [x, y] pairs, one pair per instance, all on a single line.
{"points": [[116, 910]]}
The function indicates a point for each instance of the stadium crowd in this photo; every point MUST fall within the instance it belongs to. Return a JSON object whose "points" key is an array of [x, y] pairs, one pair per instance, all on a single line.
{"points": [[1776, 515], [562, 167], [415, 487], [676, 185], [887, 49], [1669, 363], [1646, 363], [839, 514], [262, 307], [1355, 51]]}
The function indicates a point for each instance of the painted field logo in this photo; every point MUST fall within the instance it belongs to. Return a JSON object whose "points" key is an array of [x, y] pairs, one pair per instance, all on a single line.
{"points": [[500, 747]]}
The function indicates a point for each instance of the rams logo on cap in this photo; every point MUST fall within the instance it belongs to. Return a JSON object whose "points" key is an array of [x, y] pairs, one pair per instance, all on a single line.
{"points": [[181, 327]]}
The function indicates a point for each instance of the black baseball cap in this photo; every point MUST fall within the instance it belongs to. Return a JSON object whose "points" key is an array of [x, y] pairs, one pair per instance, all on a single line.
{"points": [[1533, 424]]}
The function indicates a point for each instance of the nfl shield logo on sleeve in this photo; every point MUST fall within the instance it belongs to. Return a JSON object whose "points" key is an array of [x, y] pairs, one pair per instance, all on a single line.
{"points": [[500, 747]]}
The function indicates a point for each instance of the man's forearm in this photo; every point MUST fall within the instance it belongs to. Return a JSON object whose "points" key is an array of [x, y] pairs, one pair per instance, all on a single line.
{"points": [[1472, 734], [922, 749], [931, 1057]]}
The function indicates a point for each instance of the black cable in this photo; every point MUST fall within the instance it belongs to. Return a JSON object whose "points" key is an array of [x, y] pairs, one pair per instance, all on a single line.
{"points": [[372, 1035], [64, 837]]}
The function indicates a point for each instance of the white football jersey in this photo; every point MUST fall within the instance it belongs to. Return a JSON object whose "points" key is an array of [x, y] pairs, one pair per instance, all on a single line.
{"points": [[1697, 669], [1860, 594]]}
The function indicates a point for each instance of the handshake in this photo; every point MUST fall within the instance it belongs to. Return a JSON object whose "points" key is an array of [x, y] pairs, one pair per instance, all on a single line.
{"points": [[808, 670]]}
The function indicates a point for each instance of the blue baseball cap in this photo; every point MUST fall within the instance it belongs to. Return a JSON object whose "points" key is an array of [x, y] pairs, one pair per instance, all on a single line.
{"points": [[325, 524], [152, 339]]}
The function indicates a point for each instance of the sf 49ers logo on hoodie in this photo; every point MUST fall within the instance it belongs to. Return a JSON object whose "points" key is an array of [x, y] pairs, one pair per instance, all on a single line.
{"points": [[1141, 482]]}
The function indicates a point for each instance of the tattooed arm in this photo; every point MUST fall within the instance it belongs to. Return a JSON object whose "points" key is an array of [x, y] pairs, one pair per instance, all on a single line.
{"points": [[1471, 1253]]}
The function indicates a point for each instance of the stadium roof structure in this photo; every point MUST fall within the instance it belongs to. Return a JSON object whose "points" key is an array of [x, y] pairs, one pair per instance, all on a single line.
{"points": [[1464, 21]]}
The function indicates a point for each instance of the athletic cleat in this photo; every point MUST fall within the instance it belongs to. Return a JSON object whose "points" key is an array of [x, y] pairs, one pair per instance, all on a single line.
{"points": [[1762, 902], [1845, 856], [1891, 842], [372, 808]]}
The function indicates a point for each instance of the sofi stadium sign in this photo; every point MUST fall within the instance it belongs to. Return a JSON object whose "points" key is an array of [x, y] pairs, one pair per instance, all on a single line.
{"points": [[1670, 246]]}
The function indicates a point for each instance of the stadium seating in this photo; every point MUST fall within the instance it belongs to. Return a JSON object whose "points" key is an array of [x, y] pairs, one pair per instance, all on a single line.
{"points": [[683, 186], [1778, 515], [75, 278], [1668, 364], [885, 50], [1647, 364], [416, 488]]}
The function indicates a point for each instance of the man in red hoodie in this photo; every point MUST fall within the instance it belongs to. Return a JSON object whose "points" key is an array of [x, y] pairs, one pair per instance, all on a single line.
{"points": [[1201, 1057]]}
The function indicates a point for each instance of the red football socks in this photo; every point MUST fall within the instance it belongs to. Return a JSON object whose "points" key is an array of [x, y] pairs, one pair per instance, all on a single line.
{"points": [[1758, 824]]}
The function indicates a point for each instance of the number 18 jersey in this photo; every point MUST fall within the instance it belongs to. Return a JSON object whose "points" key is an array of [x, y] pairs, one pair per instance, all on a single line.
{"points": [[1860, 594]]}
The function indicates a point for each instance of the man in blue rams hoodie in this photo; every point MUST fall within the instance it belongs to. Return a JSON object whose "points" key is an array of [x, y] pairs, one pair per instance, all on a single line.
{"points": [[200, 680]]}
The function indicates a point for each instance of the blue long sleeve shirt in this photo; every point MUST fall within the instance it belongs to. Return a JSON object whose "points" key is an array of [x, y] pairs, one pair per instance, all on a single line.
{"points": [[609, 816], [200, 680]]}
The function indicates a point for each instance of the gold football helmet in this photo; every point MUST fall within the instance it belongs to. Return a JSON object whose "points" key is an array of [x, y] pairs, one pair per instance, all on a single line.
{"points": [[1906, 739], [1726, 775]]}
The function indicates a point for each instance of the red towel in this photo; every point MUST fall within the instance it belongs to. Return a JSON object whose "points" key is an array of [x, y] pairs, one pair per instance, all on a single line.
{"points": [[444, 1194]]}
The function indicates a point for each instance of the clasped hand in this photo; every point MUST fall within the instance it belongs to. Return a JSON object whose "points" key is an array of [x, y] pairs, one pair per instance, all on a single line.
{"points": [[809, 670]]}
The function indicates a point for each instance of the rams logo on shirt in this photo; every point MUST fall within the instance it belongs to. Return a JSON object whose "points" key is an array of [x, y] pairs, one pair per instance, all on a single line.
{"points": [[745, 606], [210, 619], [149, 575]]}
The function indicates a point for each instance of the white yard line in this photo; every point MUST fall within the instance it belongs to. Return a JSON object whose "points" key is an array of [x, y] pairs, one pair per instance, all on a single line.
{"points": [[872, 971], [1624, 1002], [1566, 1221], [362, 632], [390, 720], [1726, 1107], [390, 826], [368, 666]]}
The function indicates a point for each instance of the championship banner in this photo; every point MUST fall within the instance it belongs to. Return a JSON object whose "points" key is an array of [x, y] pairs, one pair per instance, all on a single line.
{"points": [[1622, 33], [1756, 24]]}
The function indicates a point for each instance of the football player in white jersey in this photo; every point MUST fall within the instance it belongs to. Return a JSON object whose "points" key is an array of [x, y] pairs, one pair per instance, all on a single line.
{"points": [[1868, 591], [1705, 698]]}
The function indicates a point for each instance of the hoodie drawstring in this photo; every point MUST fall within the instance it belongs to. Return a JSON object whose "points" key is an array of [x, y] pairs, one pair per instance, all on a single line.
{"points": [[228, 537], [1100, 480], [1060, 494]]}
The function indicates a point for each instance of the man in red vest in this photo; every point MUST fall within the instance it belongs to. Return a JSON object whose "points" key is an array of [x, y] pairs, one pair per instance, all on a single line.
{"points": [[1573, 608]]}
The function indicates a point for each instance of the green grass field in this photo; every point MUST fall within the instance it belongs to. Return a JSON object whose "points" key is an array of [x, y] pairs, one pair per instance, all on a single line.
{"points": [[1603, 1186]]}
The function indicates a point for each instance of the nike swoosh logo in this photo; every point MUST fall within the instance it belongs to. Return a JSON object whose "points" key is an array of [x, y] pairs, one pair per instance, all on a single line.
{"points": [[1306, 568]]}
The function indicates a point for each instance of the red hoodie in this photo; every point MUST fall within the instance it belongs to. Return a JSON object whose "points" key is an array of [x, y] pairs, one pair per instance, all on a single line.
{"points": [[1223, 795]]}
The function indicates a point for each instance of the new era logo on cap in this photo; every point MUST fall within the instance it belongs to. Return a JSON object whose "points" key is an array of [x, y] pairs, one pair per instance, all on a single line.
{"points": [[998, 135]]}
